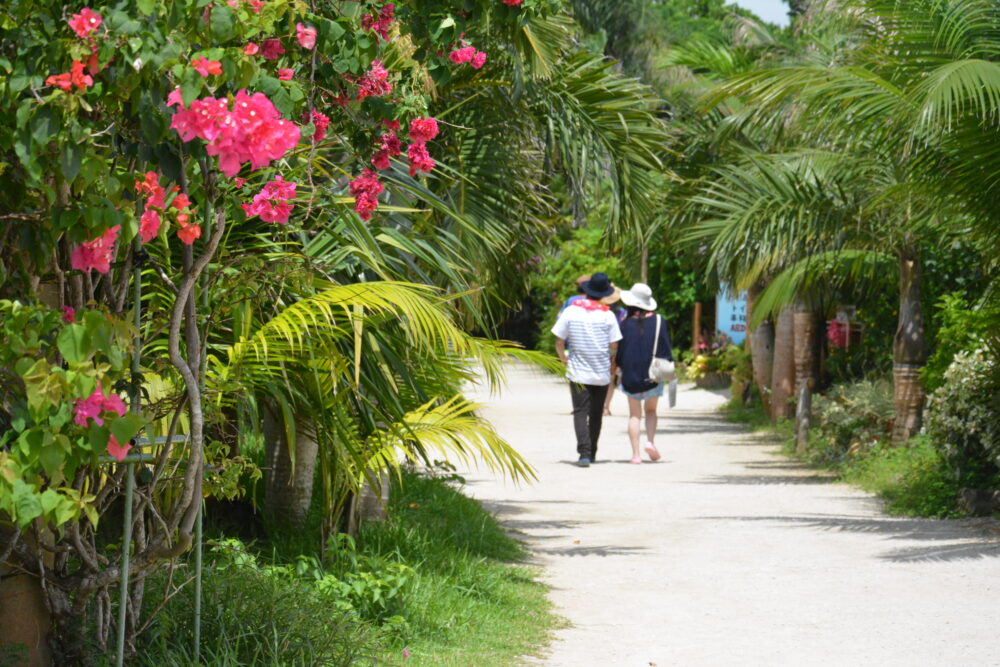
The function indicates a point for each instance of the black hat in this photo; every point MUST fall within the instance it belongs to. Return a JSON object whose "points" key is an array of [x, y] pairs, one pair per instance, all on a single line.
{"points": [[598, 286]]}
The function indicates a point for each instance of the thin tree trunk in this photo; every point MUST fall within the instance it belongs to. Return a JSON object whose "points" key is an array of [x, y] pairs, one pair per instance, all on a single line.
{"points": [[644, 264], [761, 349], [783, 373], [909, 351], [289, 485]]}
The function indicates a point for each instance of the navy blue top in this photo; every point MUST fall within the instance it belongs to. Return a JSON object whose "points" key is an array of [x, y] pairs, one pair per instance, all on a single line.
{"points": [[635, 351]]}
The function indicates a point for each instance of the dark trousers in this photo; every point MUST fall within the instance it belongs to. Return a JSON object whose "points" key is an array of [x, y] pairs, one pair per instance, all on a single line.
{"points": [[588, 413]]}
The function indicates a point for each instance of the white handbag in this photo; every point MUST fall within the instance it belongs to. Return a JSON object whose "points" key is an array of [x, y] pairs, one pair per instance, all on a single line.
{"points": [[660, 370]]}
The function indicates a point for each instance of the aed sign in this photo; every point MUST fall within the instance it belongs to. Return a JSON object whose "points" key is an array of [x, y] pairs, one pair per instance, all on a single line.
{"points": [[731, 314]]}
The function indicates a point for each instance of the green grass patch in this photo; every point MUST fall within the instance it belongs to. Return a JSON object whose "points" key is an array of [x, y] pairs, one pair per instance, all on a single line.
{"points": [[913, 480], [472, 600], [439, 580]]}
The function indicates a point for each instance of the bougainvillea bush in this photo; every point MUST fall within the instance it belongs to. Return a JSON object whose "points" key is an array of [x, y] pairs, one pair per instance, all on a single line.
{"points": [[148, 149]]}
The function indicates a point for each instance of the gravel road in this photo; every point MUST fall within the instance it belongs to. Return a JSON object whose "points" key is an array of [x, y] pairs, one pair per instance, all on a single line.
{"points": [[726, 553]]}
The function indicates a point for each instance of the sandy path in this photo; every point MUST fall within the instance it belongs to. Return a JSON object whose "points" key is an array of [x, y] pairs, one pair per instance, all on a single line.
{"points": [[725, 553]]}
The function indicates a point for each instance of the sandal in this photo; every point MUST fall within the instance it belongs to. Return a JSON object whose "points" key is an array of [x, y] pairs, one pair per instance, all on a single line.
{"points": [[637, 459], [654, 454]]}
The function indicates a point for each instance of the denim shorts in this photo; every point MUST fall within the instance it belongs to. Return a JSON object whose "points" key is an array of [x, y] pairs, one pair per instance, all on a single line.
{"points": [[655, 392]]}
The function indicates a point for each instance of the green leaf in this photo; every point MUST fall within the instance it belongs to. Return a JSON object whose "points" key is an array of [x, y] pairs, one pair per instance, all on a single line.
{"points": [[145, 6], [125, 428], [27, 503], [74, 343], [222, 23], [51, 457], [43, 126], [91, 513], [97, 437], [49, 500], [191, 86], [70, 160]]}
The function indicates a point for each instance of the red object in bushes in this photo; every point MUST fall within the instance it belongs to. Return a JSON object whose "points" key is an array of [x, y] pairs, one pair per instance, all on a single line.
{"points": [[837, 333]]}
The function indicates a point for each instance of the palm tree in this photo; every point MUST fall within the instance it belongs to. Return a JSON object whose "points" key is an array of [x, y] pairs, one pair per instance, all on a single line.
{"points": [[922, 75]]}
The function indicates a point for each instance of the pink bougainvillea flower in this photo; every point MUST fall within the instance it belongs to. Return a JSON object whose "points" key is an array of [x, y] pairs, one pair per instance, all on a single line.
{"points": [[272, 49], [420, 159], [381, 22], [89, 408], [80, 80], [96, 253], [239, 181], [381, 160], [113, 402], [423, 129], [271, 203], [251, 49], [85, 23], [462, 55], [320, 121], [391, 144], [207, 67], [116, 450], [185, 232], [175, 98], [478, 60], [149, 225], [406, 653], [257, 5], [75, 77], [366, 189], [389, 147], [391, 124], [253, 131], [180, 201], [306, 34], [92, 407], [60, 81], [69, 314], [286, 74], [93, 63], [374, 82], [512, 3]]}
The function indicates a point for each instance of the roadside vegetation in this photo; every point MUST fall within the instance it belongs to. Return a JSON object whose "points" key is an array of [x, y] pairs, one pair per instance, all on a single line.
{"points": [[438, 582]]}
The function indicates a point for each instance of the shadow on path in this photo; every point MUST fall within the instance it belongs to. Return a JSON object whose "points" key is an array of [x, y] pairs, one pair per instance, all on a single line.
{"points": [[934, 531]]}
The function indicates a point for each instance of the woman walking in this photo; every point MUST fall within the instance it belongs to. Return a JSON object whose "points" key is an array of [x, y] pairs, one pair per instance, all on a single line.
{"points": [[642, 331]]}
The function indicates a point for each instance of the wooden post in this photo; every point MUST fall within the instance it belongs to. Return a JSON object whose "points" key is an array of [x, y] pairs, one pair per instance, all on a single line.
{"points": [[803, 415], [696, 329]]}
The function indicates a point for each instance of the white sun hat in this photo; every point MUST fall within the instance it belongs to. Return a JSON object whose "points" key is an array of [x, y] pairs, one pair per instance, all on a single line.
{"points": [[639, 296]]}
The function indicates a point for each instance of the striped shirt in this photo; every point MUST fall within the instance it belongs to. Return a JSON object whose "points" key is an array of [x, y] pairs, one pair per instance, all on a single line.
{"points": [[589, 335]]}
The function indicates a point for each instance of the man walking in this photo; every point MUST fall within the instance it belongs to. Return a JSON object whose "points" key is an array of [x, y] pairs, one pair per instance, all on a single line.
{"points": [[591, 330]]}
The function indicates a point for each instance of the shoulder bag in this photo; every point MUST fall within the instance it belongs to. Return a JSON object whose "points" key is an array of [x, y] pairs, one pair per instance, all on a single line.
{"points": [[660, 370]]}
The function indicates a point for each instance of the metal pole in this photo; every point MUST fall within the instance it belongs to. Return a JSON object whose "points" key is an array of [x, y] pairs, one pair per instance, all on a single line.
{"points": [[130, 466], [197, 585], [126, 546]]}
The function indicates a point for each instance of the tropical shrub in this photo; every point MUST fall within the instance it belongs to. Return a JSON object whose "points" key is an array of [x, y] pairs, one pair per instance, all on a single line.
{"points": [[960, 329], [719, 355], [855, 417], [585, 252], [962, 421]]}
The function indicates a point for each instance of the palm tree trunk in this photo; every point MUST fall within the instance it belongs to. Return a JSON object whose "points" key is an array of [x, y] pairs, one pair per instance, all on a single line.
{"points": [[783, 373], [804, 325], [288, 485], [909, 351], [761, 349]]}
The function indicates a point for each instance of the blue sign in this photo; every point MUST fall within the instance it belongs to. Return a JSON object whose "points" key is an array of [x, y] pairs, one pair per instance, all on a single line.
{"points": [[731, 314]]}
